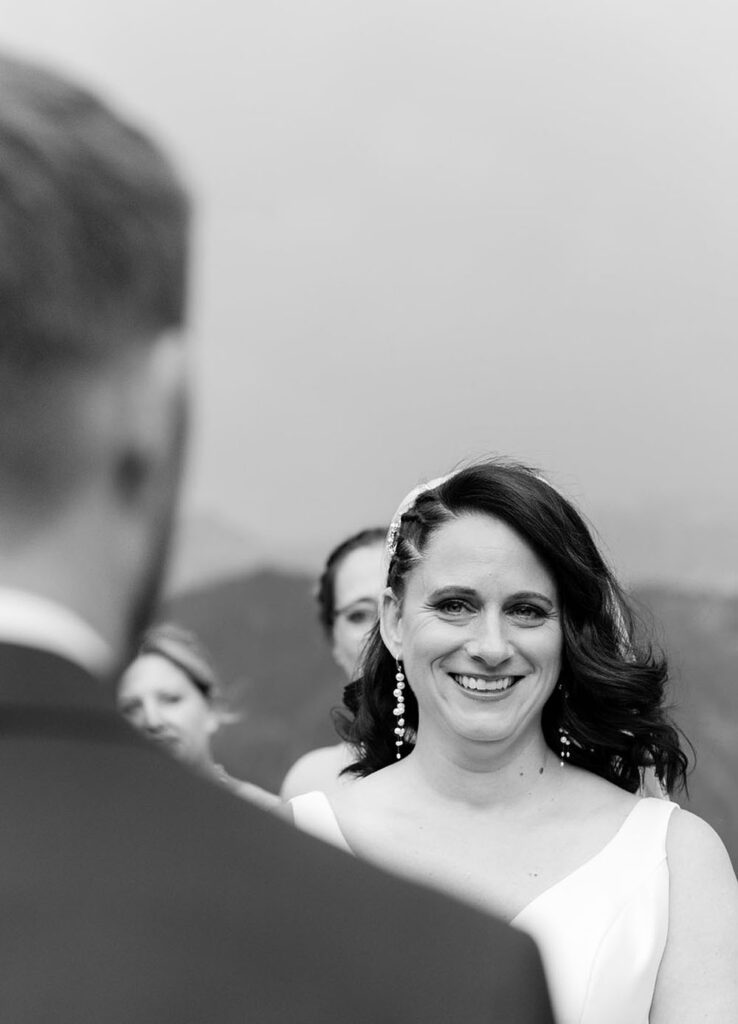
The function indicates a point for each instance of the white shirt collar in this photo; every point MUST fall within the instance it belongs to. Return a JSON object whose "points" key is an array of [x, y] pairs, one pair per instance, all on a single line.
{"points": [[35, 621]]}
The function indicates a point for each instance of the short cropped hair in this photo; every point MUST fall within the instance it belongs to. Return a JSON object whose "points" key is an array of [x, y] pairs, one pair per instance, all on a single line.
{"points": [[93, 255]]}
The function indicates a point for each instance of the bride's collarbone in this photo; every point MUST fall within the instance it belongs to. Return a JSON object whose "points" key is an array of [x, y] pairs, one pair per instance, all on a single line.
{"points": [[501, 859], [431, 835]]}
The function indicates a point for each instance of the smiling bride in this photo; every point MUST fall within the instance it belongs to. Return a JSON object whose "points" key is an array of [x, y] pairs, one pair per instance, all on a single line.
{"points": [[507, 651]]}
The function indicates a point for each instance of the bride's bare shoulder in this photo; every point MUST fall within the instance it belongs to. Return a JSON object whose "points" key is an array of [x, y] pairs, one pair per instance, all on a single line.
{"points": [[378, 790], [590, 795]]}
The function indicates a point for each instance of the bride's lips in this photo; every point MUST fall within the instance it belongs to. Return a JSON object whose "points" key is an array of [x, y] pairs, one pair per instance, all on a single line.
{"points": [[484, 686]]}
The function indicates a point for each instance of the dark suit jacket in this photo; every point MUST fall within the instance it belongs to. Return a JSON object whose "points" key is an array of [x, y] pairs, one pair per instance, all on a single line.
{"points": [[133, 891]]}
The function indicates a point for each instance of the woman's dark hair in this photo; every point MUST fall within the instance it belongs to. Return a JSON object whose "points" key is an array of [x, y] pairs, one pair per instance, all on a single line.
{"points": [[182, 648], [610, 700], [326, 590]]}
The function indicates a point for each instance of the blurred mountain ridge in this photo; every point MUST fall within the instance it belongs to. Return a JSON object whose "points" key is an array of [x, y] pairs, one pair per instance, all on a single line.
{"points": [[209, 547], [647, 549]]}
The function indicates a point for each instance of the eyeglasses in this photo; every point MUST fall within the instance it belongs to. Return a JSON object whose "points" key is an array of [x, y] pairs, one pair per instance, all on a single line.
{"points": [[363, 613]]}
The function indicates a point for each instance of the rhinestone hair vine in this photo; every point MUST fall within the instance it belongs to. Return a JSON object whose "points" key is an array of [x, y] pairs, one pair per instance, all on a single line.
{"points": [[393, 534]]}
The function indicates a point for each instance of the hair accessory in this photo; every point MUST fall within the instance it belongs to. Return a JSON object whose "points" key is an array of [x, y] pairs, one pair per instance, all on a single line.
{"points": [[407, 503], [399, 710], [183, 649], [390, 545]]}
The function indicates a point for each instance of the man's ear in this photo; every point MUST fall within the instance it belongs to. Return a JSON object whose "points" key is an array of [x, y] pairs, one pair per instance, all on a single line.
{"points": [[390, 622], [149, 394]]}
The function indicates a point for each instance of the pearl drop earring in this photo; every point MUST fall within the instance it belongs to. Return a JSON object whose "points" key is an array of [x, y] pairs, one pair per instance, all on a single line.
{"points": [[399, 710]]}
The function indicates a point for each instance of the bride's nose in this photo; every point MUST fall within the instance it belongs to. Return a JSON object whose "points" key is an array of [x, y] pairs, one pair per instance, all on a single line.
{"points": [[488, 641]]}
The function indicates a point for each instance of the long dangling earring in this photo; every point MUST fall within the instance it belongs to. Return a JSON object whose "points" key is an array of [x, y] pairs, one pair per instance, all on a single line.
{"points": [[399, 709], [564, 739], [564, 745]]}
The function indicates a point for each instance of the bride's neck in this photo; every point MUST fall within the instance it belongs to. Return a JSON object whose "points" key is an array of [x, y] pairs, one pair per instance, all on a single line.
{"points": [[485, 774]]}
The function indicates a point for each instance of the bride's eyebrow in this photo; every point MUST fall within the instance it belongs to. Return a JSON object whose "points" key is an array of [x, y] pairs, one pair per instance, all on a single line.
{"points": [[532, 595], [469, 592], [451, 591]]}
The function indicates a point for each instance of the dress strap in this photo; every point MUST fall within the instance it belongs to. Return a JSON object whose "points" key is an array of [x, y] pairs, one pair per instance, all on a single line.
{"points": [[314, 814], [641, 842]]}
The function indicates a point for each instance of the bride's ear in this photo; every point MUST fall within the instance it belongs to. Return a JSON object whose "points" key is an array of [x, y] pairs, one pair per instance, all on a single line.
{"points": [[390, 622]]}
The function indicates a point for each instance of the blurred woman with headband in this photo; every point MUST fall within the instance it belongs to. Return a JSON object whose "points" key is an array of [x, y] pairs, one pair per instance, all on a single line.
{"points": [[171, 694], [508, 653]]}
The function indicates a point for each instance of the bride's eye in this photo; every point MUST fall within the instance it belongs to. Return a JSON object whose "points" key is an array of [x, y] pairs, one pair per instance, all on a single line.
{"points": [[453, 606], [529, 613]]}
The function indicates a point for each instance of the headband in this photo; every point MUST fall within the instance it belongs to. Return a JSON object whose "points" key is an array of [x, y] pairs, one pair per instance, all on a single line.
{"points": [[176, 650], [393, 534]]}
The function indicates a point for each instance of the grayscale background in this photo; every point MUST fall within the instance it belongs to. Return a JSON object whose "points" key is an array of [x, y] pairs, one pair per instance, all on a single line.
{"points": [[427, 231]]}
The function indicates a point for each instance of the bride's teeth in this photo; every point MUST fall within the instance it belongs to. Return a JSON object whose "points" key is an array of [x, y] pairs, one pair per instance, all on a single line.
{"points": [[486, 685]]}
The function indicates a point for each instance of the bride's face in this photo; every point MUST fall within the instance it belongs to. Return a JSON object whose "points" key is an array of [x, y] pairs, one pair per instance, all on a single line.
{"points": [[479, 632]]}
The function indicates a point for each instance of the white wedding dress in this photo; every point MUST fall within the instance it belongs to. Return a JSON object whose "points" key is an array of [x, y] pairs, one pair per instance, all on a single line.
{"points": [[601, 930]]}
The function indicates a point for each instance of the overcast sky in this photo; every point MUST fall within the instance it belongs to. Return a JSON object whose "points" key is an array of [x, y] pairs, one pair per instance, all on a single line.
{"points": [[431, 230]]}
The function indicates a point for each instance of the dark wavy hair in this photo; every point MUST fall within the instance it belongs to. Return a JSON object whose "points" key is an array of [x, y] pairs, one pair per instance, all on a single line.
{"points": [[325, 592], [610, 700]]}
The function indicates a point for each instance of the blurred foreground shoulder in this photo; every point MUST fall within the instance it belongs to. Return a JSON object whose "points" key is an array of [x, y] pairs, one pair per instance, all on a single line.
{"points": [[456, 963]]}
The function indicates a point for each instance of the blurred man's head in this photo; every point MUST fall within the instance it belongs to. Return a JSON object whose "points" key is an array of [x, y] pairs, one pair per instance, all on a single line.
{"points": [[93, 240]]}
